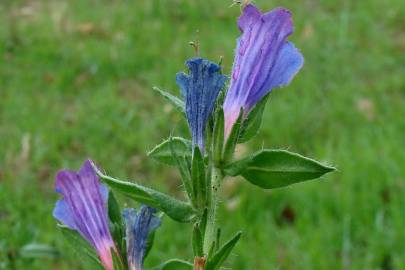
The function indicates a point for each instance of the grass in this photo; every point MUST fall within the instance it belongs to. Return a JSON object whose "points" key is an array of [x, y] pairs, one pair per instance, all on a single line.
{"points": [[76, 80]]}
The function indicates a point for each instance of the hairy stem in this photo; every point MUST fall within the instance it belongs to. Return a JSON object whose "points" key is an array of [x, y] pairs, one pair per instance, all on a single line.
{"points": [[199, 263], [210, 232]]}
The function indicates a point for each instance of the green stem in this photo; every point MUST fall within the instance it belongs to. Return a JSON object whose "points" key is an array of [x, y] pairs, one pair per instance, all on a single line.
{"points": [[210, 232]]}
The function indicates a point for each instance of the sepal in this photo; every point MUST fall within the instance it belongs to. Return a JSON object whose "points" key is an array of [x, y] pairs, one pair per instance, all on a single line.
{"points": [[116, 224], [218, 137], [252, 123]]}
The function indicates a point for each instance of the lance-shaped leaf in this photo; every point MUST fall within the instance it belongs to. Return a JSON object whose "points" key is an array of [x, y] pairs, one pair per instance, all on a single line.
{"points": [[183, 165], [216, 261], [277, 168], [175, 264], [117, 261], [175, 101], [252, 123], [174, 208], [36, 250], [164, 151]]}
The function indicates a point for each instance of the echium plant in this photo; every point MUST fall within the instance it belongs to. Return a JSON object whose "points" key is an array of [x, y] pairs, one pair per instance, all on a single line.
{"points": [[219, 119]]}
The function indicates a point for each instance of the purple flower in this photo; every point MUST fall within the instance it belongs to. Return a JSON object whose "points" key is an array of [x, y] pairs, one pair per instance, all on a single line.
{"points": [[138, 227], [264, 60], [200, 89], [84, 208]]}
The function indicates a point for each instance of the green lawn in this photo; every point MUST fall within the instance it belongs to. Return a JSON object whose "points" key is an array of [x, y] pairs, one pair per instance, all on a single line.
{"points": [[76, 81]]}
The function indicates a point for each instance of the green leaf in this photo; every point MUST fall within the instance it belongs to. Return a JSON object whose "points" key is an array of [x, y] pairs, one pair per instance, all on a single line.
{"points": [[220, 256], [277, 168], [81, 246], [212, 250], [163, 152], [175, 264], [176, 209], [218, 137], [36, 250], [183, 165], [114, 212], [175, 101], [197, 242], [232, 139], [252, 123], [199, 179]]}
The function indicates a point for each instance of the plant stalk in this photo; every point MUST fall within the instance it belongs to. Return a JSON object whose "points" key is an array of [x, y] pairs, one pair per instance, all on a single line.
{"points": [[210, 232], [199, 263]]}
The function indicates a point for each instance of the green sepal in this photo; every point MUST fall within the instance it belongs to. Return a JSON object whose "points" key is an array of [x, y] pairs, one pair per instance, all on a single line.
{"points": [[81, 247], [117, 262], [277, 168], [174, 264], [149, 242], [114, 211], [233, 139], [218, 137], [197, 241], [252, 123], [220, 99], [116, 224], [175, 101], [216, 261], [199, 179], [177, 210], [164, 151]]}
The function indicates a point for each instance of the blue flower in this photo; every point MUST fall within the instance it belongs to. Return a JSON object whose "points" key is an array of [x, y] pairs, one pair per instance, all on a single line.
{"points": [[84, 208], [200, 89], [138, 227], [264, 60]]}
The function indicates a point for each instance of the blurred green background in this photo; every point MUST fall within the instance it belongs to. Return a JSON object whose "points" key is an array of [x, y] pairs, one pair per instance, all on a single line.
{"points": [[76, 81]]}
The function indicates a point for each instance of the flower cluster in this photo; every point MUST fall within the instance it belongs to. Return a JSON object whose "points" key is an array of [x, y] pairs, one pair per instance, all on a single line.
{"points": [[84, 209], [218, 119]]}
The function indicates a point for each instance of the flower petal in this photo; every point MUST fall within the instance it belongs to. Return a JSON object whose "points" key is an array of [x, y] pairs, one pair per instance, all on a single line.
{"points": [[289, 63], [250, 15], [62, 213], [138, 227], [84, 208], [263, 60], [200, 89]]}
